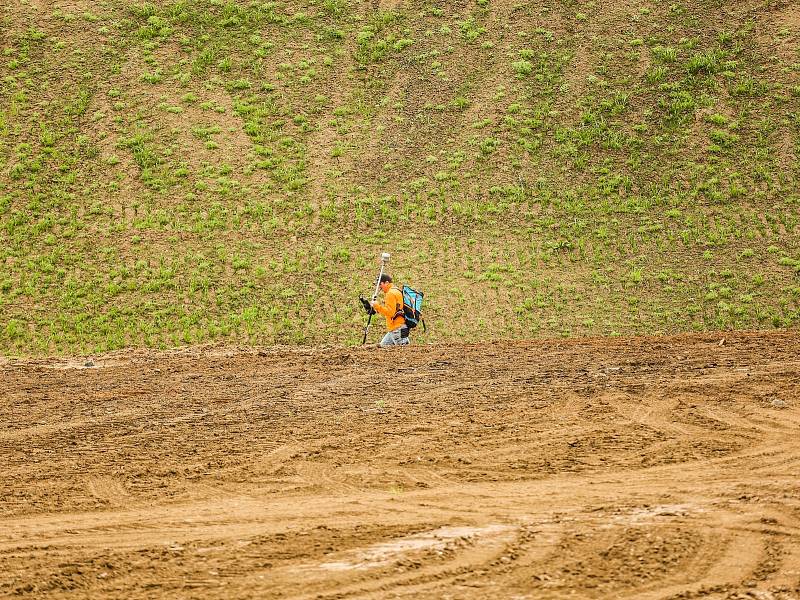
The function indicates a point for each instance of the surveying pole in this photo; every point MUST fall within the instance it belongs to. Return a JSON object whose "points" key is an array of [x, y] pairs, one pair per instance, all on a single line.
{"points": [[384, 259]]}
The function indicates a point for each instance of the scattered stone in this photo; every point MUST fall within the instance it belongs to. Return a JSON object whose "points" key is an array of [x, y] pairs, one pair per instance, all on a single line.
{"points": [[778, 403], [89, 363]]}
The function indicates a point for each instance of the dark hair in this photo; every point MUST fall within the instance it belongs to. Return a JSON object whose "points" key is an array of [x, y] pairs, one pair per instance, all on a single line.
{"points": [[386, 278]]}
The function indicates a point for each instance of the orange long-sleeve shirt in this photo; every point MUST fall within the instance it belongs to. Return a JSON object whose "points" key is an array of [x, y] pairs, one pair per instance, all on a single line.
{"points": [[393, 303]]}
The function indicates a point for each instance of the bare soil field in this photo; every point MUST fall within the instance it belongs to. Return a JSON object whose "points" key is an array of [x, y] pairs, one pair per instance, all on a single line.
{"points": [[591, 468]]}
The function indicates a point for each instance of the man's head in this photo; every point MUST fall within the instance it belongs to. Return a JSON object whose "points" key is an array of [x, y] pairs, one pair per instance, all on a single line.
{"points": [[386, 282]]}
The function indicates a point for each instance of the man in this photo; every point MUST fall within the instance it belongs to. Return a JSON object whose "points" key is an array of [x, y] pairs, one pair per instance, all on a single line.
{"points": [[392, 309]]}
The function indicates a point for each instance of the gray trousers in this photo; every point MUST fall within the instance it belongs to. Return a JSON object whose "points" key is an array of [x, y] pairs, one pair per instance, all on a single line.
{"points": [[393, 338]]}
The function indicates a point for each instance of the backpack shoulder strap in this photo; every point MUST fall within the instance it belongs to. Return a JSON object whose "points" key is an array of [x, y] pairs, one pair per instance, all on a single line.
{"points": [[399, 312]]}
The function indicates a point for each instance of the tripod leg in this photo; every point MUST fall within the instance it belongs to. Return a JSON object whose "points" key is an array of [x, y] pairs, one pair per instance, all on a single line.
{"points": [[366, 329]]}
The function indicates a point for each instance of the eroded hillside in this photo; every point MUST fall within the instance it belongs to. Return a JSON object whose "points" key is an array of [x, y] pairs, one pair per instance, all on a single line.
{"points": [[176, 172]]}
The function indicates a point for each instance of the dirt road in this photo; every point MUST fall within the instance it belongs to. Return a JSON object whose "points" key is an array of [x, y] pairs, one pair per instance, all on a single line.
{"points": [[613, 468]]}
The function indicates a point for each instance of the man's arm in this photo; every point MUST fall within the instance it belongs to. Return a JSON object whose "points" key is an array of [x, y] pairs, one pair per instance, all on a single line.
{"points": [[384, 310]]}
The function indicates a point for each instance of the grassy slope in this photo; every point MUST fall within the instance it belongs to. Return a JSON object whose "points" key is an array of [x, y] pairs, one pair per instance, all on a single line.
{"points": [[177, 172]]}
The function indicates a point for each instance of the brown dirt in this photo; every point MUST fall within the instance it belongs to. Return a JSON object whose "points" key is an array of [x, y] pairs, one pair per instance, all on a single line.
{"points": [[790, 16], [597, 468]]}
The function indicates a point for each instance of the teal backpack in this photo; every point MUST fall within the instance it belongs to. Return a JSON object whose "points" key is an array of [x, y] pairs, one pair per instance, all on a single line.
{"points": [[412, 307]]}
